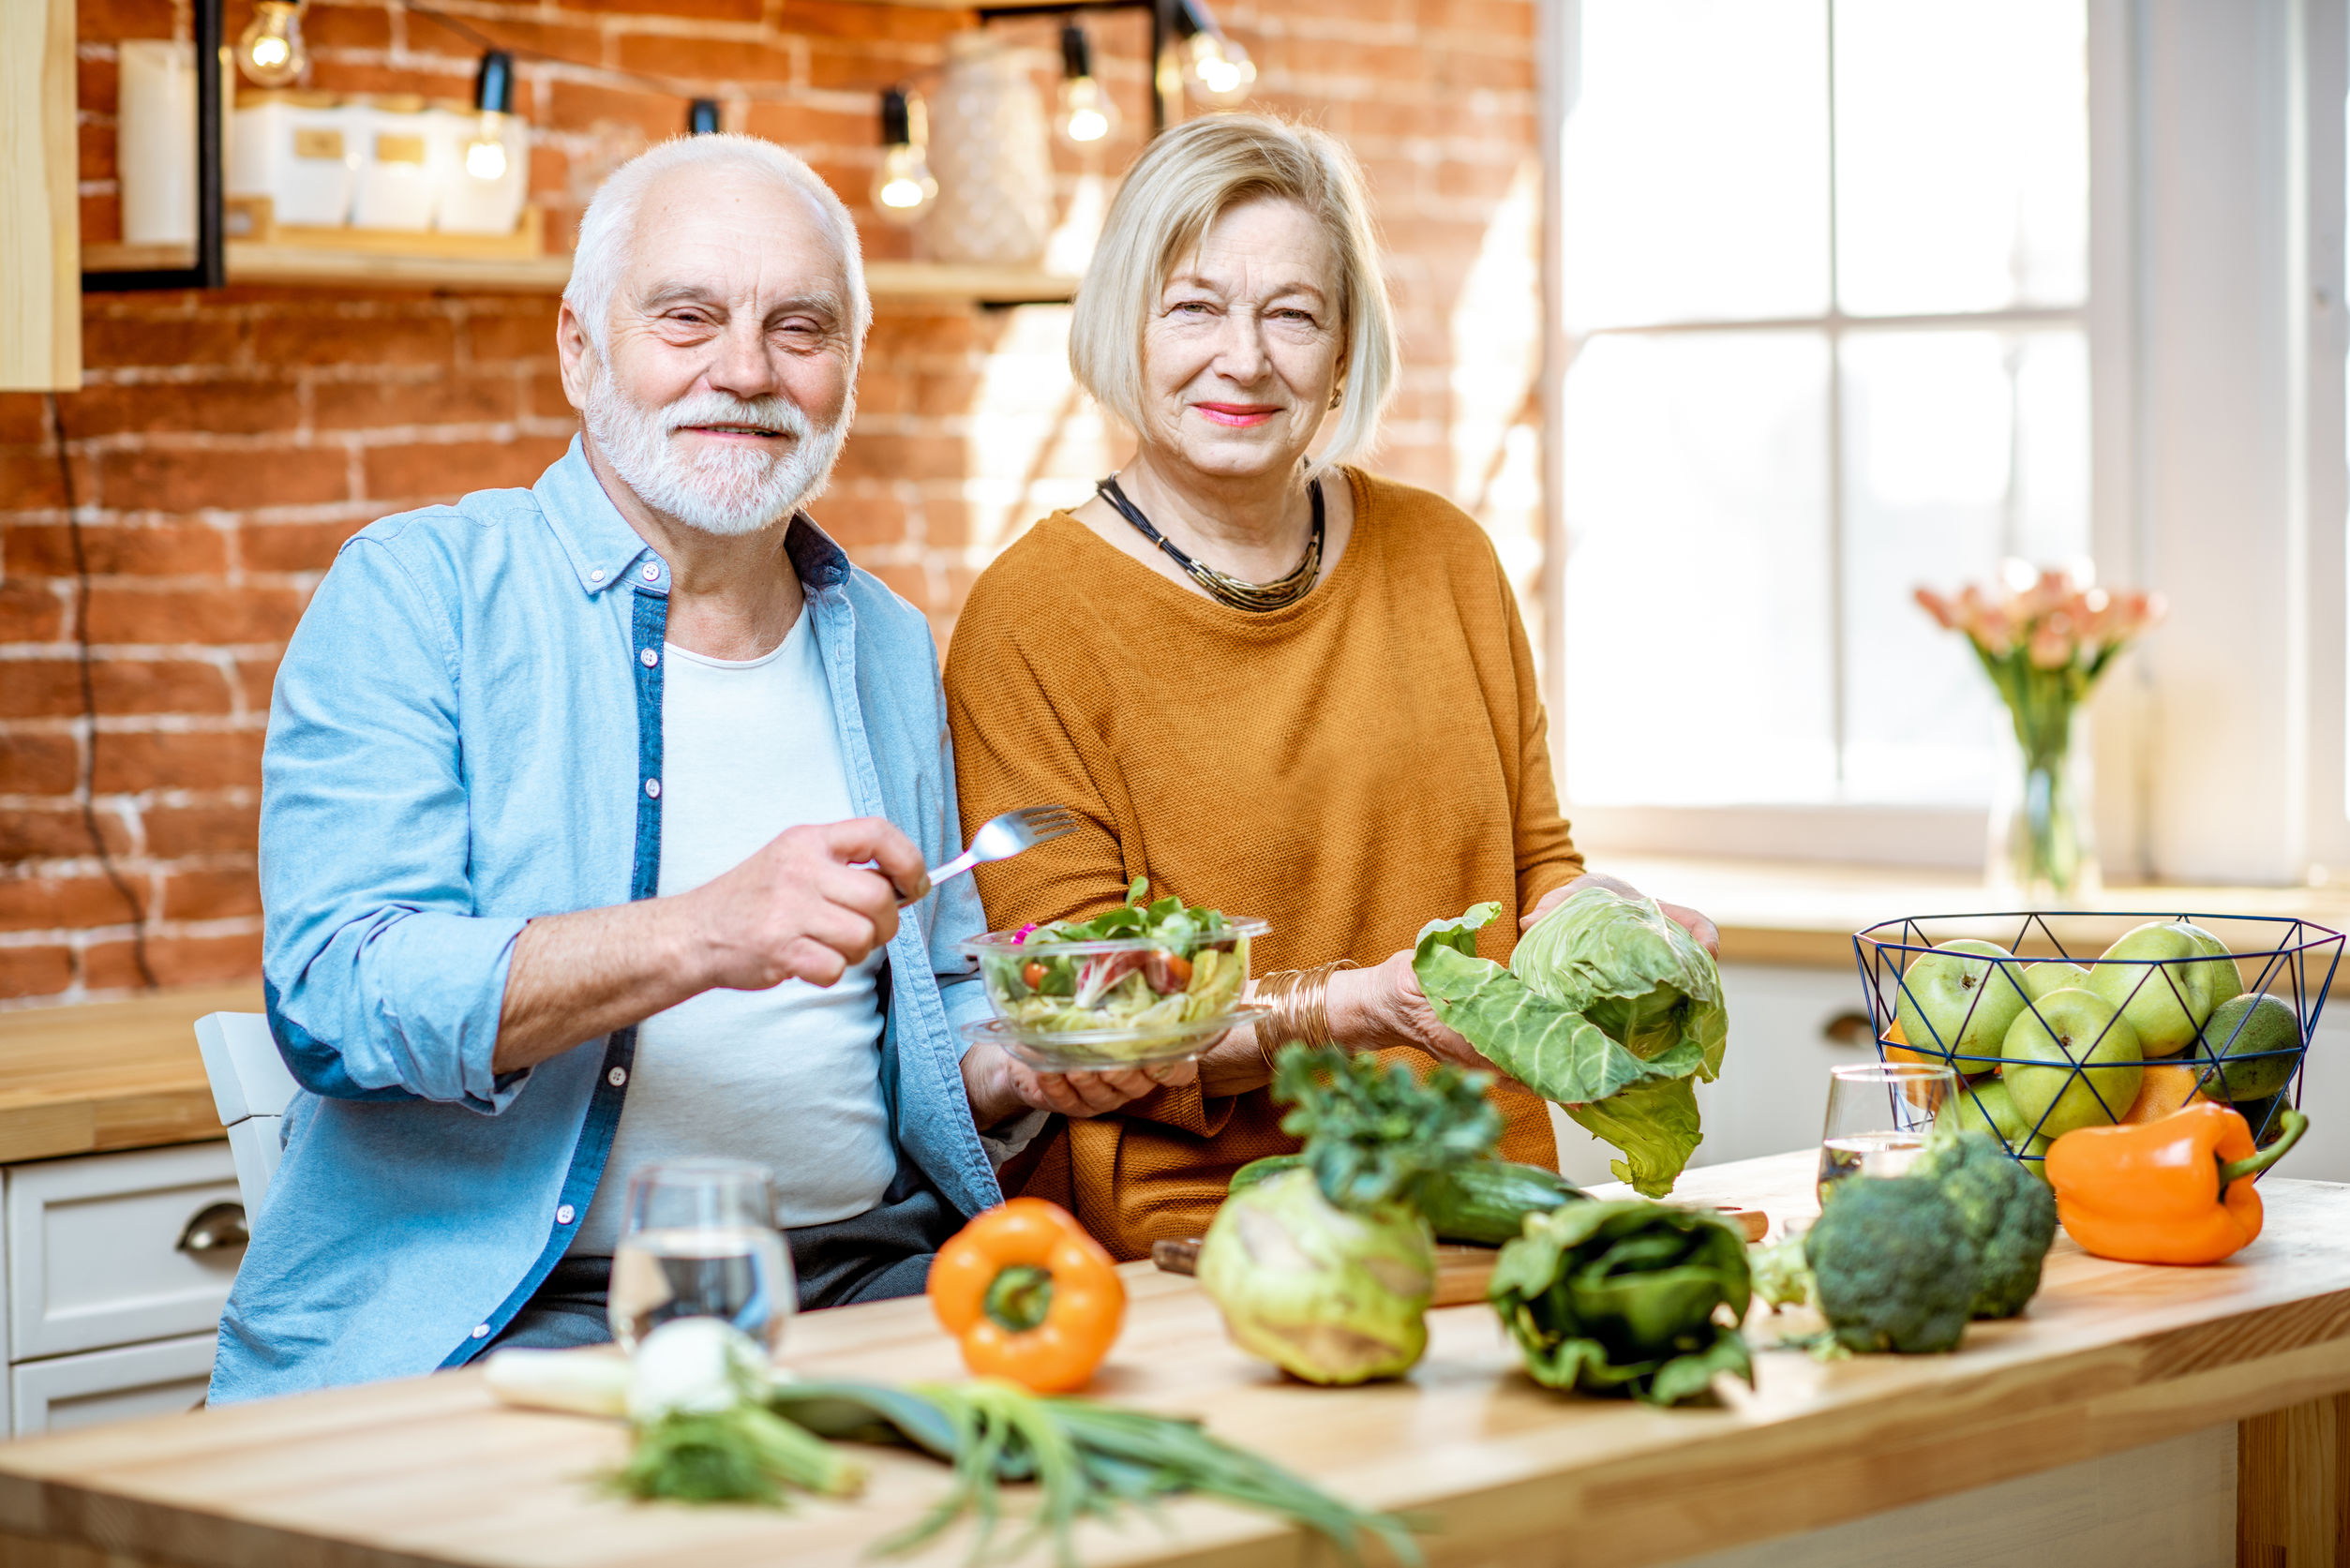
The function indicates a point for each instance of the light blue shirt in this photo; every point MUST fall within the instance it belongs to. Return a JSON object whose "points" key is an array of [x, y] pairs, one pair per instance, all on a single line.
{"points": [[466, 733]]}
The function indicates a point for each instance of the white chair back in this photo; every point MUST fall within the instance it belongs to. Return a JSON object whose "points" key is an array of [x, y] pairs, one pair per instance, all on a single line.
{"points": [[252, 1089]]}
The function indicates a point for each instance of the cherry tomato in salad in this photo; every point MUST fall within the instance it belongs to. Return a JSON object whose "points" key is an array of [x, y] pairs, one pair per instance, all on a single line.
{"points": [[1033, 974]]}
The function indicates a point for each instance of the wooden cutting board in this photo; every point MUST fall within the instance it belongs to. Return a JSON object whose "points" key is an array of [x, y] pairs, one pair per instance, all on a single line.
{"points": [[1463, 1272]]}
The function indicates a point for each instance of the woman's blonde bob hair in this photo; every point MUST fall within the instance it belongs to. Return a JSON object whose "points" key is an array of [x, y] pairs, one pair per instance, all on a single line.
{"points": [[1182, 184]]}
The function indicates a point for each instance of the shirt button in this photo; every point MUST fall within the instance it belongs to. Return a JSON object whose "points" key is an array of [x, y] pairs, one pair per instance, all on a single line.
{"points": [[617, 1076], [653, 787], [481, 1331], [652, 573], [650, 658], [562, 1215], [596, 574]]}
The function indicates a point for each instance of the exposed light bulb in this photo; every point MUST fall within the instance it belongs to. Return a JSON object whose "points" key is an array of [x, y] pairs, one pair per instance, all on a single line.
{"points": [[485, 155], [1086, 114], [270, 51], [902, 186], [1219, 70]]}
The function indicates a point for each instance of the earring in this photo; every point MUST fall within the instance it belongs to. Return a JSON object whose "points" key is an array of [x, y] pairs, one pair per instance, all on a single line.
{"points": [[1337, 394]]}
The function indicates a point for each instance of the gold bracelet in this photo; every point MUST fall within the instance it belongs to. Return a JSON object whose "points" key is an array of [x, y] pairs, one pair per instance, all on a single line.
{"points": [[1300, 1000]]}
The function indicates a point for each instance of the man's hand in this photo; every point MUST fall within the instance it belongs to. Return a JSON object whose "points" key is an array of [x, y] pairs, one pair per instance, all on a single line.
{"points": [[1001, 1088], [813, 902], [1687, 918]]}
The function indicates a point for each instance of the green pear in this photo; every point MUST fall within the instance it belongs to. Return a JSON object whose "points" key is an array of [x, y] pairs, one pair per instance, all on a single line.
{"points": [[1985, 1106], [2073, 1061], [2225, 979], [2165, 1001], [1956, 1000], [2053, 975], [2257, 1040]]}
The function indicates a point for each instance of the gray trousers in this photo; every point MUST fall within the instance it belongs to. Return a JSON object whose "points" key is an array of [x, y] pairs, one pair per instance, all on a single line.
{"points": [[874, 1256]]}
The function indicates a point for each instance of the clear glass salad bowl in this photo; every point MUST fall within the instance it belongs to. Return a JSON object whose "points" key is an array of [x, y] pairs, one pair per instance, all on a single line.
{"points": [[1048, 983]]}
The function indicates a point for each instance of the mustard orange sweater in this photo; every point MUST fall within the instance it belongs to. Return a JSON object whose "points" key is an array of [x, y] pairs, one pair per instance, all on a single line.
{"points": [[1348, 767]]}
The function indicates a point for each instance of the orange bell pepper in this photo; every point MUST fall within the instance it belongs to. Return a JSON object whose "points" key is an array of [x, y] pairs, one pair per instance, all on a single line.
{"points": [[2175, 1191], [1031, 1297]]}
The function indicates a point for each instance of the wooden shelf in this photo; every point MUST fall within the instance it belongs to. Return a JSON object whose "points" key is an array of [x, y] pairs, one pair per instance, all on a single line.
{"points": [[296, 265]]}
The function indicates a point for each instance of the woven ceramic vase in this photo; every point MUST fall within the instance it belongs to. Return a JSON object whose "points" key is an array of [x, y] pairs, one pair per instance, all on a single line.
{"points": [[990, 149]]}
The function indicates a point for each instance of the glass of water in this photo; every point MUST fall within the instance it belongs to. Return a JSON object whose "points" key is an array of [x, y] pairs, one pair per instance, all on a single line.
{"points": [[698, 1240], [1879, 1114]]}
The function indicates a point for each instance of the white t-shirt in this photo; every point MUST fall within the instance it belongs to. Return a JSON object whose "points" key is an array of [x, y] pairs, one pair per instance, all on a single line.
{"points": [[789, 1077]]}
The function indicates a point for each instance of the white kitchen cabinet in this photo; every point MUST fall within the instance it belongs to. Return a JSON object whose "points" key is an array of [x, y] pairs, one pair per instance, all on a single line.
{"points": [[87, 1390], [118, 1266], [99, 1252]]}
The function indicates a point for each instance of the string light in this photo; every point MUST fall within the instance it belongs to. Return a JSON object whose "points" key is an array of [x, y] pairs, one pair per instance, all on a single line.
{"points": [[270, 51], [902, 188], [1087, 116], [493, 96], [1216, 70]]}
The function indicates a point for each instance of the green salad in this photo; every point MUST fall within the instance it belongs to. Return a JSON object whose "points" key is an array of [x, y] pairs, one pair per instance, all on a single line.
{"points": [[1141, 966]]}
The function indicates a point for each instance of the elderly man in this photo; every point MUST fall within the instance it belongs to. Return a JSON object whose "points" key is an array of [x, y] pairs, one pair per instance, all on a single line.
{"points": [[589, 813]]}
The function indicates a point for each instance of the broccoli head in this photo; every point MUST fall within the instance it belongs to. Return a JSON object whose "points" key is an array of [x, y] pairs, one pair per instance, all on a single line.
{"points": [[1893, 1264], [2010, 1212]]}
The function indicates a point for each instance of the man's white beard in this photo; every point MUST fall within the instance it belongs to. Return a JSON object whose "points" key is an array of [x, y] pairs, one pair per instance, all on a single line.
{"points": [[737, 488]]}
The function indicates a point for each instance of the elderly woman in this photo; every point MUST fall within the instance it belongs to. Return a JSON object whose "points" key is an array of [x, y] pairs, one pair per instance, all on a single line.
{"points": [[1270, 681]]}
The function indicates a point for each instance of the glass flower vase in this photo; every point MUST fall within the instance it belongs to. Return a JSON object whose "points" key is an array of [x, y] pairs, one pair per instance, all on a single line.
{"points": [[2041, 848]]}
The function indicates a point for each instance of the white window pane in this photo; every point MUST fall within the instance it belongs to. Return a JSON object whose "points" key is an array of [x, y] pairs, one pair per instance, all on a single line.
{"points": [[1962, 155], [1961, 448], [1695, 175], [1698, 667]]}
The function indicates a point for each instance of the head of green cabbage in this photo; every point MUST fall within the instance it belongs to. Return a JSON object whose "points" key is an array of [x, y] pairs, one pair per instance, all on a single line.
{"points": [[1608, 1007]]}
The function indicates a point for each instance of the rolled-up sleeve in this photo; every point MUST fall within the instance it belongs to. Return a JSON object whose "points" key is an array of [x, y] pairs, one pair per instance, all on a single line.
{"points": [[381, 982]]}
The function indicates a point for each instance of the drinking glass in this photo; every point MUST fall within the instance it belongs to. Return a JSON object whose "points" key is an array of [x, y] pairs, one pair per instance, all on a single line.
{"points": [[698, 1240], [1879, 1116]]}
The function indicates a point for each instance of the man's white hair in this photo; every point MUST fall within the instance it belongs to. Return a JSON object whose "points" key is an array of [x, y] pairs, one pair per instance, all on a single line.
{"points": [[608, 226]]}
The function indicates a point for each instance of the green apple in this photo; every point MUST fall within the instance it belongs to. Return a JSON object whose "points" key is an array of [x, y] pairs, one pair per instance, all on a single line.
{"points": [[2053, 975], [2222, 974], [1956, 1000], [2073, 1061], [2165, 1001], [1985, 1106], [2257, 1040]]}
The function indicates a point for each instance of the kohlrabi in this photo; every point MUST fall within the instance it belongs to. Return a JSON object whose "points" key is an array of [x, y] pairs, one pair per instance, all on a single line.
{"points": [[1327, 1271]]}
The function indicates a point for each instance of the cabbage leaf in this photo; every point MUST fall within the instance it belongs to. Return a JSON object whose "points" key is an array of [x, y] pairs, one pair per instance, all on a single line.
{"points": [[1609, 1008]]}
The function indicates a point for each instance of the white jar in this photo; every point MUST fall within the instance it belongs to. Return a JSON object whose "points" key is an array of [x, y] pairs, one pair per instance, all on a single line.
{"points": [[298, 149], [990, 152], [155, 140], [473, 203], [401, 150]]}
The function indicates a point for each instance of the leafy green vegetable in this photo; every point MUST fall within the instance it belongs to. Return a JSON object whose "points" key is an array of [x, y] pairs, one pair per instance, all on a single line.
{"points": [[1626, 1298], [1894, 1265], [1087, 1460], [1608, 1007], [1371, 1127], [1781, 1277], [745, 1454], [1327, 1270], [2010, 1214]]}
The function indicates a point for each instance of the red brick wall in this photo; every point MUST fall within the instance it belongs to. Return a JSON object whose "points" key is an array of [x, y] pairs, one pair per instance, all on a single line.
{"points": [[225, 445]]}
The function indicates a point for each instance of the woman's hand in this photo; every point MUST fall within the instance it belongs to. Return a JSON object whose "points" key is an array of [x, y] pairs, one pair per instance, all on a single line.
{"points": [[1001, 1088], [1687, 918], [1372, 1009]]}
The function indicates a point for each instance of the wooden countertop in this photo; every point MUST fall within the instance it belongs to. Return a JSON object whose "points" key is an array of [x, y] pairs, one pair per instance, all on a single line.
{"points": [[110, 1075], [429, 1471]]}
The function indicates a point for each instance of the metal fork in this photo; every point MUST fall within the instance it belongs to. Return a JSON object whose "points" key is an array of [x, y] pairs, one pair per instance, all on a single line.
{"points": [[1000, 837]]}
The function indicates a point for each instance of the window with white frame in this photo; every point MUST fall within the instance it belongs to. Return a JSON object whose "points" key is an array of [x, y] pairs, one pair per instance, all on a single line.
{"points": [[1823, 271]]}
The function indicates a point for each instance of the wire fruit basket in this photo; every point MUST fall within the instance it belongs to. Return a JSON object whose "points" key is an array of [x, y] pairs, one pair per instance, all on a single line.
{"points": [[2227, 1014]]}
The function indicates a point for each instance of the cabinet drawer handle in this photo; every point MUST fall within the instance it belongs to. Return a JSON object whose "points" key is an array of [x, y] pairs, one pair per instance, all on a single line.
{"points": [[217, 1228], [1848, 1029]]}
